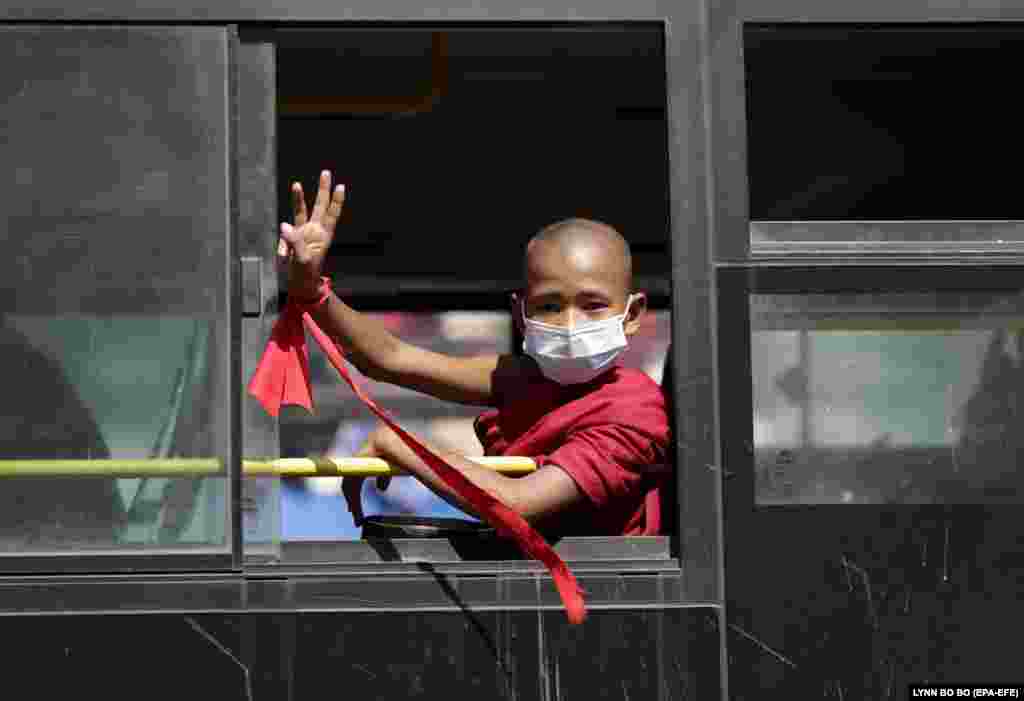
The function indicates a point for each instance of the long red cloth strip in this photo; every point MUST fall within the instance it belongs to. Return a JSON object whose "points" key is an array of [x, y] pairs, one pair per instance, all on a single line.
{"points": [[282, 377]]}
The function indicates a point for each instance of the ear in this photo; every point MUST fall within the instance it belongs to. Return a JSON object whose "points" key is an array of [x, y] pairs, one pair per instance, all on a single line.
{"points": [[637, 309], [517, 309]]}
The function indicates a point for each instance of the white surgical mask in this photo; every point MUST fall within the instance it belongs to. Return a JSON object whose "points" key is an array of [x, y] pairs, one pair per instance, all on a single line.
{"points": [[576, 354]]}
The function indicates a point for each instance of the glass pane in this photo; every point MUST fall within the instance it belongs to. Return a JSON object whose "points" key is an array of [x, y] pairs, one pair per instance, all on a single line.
{"points": [[882, 122], [115, 351], [888, 398], [312, 508]]}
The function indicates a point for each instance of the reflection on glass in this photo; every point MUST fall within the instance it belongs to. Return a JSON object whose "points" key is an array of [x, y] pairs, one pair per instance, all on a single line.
{"points": [[93, 388], [887, 398], [312, 508], [114, 295]]}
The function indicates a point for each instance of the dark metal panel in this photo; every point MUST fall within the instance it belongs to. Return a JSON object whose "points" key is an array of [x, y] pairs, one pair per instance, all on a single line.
{"points": [[518, 655], [870, 601], [692, 361], [127, 657], [641, 655], [327, 11], [728, 125], [502, 655]]}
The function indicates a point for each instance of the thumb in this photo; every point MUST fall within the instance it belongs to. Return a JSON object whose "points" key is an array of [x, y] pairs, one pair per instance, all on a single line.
{"points": [[289, 234], [285, 243]]}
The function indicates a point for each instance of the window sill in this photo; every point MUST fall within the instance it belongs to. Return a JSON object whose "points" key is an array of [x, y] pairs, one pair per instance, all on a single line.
{"points": [[379, 550]]}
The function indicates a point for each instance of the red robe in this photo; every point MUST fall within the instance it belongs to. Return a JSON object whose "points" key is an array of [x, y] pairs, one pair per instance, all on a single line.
{"points": [[609, 435]]}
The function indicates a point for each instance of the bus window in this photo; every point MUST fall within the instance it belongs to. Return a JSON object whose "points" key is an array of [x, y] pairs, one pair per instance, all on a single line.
{"points": [[456, 146], [887, 397]]}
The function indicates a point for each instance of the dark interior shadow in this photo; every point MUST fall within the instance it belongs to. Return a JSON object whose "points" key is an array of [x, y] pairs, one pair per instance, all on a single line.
{"points": [[467, 548]]}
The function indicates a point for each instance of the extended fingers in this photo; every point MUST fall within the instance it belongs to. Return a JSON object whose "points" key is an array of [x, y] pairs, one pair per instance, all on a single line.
{"points": [[284, 243], [323, 196], [334, 209], [298, 205], [292, 239]]}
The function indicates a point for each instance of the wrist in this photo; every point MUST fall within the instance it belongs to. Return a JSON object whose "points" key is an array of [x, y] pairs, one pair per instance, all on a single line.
{"points": [[311, 294]]}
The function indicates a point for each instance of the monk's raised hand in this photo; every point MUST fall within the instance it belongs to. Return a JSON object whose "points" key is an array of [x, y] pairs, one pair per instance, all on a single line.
{"points": [[302, 246]]}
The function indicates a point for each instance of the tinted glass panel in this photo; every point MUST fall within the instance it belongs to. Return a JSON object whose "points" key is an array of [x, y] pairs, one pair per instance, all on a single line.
{"points": [[888, 398], [882, 122], [115, 228]]}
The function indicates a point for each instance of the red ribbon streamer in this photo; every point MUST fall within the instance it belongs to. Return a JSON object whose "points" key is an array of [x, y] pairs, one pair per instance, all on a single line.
{"points": [[282, 377]]}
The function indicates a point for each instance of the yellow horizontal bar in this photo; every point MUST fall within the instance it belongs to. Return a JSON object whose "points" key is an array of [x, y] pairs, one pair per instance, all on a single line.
{"points": [[208, 467]]}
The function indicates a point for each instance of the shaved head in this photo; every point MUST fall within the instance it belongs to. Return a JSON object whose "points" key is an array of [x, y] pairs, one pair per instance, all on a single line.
{"points": [[583, 244], [578, 271]]}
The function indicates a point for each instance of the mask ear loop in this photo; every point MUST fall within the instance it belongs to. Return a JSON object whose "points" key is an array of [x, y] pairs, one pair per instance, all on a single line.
{"points": [[625, 312]]}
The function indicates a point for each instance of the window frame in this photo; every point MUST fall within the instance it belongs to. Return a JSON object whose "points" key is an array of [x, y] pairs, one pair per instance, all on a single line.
{"points": [[425, 293], [697, 580]]}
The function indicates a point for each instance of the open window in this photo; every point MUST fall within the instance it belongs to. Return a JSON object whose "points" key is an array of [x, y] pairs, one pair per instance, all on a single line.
{"points": [[456, 145]]}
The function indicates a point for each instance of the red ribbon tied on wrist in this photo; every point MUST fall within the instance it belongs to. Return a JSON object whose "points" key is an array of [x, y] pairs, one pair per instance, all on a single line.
{"points": [[282, 377]]}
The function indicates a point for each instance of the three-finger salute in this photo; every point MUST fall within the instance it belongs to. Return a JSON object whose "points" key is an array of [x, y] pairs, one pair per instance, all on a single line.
{"points": [[302, 247]]}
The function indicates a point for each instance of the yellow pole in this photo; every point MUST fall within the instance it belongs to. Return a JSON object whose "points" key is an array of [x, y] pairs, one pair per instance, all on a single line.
{"points": [[209, 467]]}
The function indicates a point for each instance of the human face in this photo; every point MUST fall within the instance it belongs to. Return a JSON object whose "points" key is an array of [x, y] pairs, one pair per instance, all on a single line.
{"points": [[571, 284]]}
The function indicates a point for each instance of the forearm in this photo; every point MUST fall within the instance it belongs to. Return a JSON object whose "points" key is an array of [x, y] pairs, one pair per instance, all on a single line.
{"points": [[367, 343], [499, 486]]}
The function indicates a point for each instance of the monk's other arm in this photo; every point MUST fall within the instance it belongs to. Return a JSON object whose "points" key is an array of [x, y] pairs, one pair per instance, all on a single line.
{"points": [[535, 496]]}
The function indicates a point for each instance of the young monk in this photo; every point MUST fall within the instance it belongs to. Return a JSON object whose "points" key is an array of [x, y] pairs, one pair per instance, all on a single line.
{"points": [[598, 432]]}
